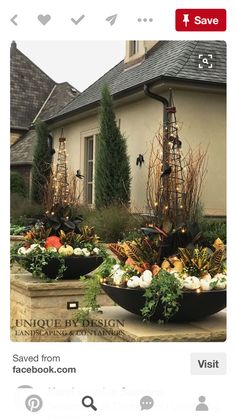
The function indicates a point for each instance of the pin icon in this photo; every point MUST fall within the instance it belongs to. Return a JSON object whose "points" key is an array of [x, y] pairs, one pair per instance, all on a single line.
{"points": [[34, 403]]}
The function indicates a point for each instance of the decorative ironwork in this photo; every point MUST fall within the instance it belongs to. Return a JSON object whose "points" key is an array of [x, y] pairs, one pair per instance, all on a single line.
{"points": [[170, 199], [60, 179]]}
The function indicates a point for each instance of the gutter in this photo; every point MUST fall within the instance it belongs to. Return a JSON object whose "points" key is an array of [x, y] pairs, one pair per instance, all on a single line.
{"points": [[161, 99], [21, 163], [123, 93]]}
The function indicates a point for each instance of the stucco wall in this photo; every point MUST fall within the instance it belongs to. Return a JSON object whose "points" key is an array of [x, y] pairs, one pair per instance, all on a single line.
{"points": [[203, 118]]}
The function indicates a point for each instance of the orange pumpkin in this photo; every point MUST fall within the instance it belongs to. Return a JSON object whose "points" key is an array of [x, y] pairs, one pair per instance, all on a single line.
{"points": [[145, 266], [155, 269], [53, 241]]}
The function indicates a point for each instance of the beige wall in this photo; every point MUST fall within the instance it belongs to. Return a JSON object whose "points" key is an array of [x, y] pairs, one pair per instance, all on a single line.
{"points": [[144, 47], [203, 118]]}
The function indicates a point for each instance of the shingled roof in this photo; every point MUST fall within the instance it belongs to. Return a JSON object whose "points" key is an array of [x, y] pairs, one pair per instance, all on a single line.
{"points": [[166, 61], [22, 151], [30, 87], [33, 95]]}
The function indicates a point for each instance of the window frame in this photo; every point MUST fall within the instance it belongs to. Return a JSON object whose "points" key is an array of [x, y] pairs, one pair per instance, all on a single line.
{"points": [[86, 138], [134, 48]]}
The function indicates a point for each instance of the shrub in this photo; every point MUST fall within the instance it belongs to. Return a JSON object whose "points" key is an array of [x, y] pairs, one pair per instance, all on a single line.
{"points": [[22, 209], [112, 177], [212, 228], [42, 160], [18, 184], [112, 223]]}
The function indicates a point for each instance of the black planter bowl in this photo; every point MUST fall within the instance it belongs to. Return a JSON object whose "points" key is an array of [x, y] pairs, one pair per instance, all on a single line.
{"points": [[76, 266], [193, 305]]}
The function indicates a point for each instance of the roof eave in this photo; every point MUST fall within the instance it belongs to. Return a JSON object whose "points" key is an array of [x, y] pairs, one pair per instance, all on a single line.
{"points": [[133, 89], [21, 163]]}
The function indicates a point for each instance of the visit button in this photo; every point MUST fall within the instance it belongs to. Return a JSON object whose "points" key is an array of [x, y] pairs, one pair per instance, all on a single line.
{"points": [[208, 363], [200, 20]]}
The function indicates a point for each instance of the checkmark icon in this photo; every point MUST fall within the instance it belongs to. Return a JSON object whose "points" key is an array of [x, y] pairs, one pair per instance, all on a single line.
{"points": [[76, 21]]}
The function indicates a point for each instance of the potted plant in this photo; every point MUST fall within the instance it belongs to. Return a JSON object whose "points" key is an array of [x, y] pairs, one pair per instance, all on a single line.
{"points": [[188, 285], [67, 255]]}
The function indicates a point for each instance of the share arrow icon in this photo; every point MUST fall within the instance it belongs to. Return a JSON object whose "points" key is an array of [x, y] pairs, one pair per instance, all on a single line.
{"points": [[111, 19]]}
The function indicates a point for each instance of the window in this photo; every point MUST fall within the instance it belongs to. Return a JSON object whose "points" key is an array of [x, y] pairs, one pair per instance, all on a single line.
{"points": [[134, 47], [89, 168]]}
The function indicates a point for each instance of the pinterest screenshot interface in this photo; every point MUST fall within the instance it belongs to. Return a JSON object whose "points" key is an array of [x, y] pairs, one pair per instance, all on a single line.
{"points": [[117, 283]]}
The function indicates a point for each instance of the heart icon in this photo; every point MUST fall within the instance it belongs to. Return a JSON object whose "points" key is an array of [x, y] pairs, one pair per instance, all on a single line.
{"points": [[44, 19]]}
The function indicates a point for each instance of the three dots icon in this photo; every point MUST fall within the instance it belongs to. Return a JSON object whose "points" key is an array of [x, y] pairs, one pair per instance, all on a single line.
{"points": [[145, 20]]}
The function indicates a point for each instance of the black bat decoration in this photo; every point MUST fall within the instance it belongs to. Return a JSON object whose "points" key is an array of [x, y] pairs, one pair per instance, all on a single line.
{"points": [[139, 160], [78, 174], [50, 144], [177, 143], [167, 171]]}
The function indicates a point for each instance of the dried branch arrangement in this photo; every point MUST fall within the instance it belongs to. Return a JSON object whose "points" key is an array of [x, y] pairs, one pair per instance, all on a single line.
{"points": [[174, 197]]}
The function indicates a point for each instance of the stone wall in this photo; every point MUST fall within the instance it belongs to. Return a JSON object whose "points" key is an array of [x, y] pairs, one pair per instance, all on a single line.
{"points": [[39, 310]]}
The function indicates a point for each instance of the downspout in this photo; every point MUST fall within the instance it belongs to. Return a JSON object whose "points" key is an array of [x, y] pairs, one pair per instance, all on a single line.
{"points": [[166, 105], [161, 99]]}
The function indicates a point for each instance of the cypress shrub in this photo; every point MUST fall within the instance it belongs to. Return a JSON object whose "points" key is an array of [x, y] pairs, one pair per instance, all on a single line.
{"points": [[42, 161], [112, 174], [17, 184]]}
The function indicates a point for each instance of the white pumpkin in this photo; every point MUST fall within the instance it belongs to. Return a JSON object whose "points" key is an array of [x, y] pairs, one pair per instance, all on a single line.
{"points": [[145, 279], [191, 282], [133, 282], [115, 268], [51, 249], [205, 284], [78, 251], [221, 281], [96, 250], [86, 252], [206, 276], [22, 250], [118, 277]]}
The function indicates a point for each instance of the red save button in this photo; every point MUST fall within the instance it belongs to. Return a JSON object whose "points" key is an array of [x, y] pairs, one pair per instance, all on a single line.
{"points": [[200, 20]]}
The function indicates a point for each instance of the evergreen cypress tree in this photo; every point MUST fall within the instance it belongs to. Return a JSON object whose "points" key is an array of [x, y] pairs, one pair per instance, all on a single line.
{"points": [[41, 162], [112, 175]]}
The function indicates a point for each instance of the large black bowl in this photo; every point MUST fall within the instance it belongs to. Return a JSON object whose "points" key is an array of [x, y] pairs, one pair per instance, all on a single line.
{"points": [[76, 266], [193, 305]]}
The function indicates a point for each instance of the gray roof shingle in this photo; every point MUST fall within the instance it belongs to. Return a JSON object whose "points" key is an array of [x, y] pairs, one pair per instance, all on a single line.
{"points": [[22, 151], [33, 95], [61, 95], [30, 87], [167, 59]]}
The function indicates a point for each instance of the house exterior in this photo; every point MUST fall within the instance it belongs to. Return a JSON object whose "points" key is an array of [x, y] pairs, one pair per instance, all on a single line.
{"points": [[199, 96], [33, 95]]}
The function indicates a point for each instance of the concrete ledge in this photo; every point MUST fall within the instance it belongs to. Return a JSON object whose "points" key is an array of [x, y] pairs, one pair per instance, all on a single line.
{"points": [[211, 329], [39, 313]]}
